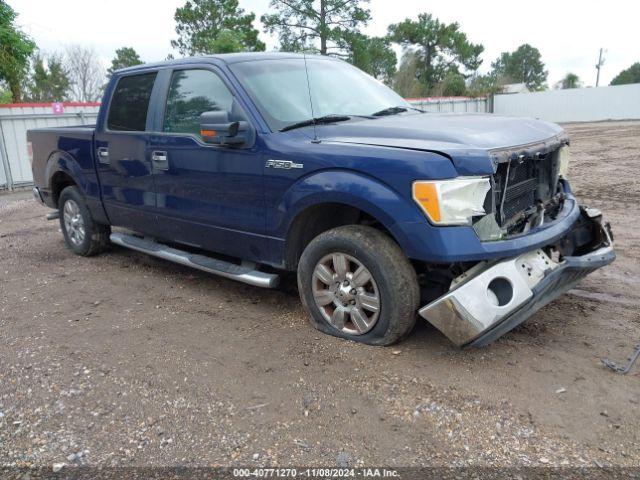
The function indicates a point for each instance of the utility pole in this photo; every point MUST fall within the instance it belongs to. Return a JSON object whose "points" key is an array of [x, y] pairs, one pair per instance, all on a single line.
{"points": [[599, 66]]}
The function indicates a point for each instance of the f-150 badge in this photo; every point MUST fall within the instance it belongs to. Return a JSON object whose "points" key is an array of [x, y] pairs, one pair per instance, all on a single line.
{"points": [[283, 164]]}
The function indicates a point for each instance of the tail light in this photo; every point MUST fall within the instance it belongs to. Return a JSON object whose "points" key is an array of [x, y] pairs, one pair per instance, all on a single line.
{"points": [[30, 153]]}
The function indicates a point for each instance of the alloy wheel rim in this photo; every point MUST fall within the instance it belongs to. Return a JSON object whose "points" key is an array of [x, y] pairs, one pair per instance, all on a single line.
{"points": [[346, 293], [73, 222]]}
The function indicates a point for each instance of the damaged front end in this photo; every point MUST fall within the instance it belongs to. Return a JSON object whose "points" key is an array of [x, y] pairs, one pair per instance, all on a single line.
{"points": [[526, 189], [491, 298]]}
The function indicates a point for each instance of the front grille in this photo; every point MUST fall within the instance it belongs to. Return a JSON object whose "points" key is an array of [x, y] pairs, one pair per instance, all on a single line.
{"points": [[521, 183], [517, 204]]}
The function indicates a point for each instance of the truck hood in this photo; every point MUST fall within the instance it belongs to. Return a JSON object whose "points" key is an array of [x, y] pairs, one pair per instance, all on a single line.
{"points": [[446, 133]]}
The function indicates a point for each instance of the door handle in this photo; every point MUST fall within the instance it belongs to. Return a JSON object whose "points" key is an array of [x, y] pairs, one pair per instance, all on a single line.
{"points": [[160, 160], [103, 155]]}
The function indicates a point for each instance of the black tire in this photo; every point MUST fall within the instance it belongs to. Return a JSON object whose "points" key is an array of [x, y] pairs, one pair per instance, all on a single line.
{"points": [[397, 283], [96, 236]]}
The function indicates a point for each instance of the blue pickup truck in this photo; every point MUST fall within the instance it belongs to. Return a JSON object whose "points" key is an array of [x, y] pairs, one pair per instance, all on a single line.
{"points": [[253, 165]]}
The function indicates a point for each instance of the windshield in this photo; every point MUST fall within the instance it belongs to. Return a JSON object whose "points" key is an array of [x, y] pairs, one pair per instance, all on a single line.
{"points": [[279, 90]]}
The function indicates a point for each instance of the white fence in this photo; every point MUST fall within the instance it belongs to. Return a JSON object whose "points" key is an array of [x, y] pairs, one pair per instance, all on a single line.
{"points": [[16, 119], [451, 104], [620, 102]]}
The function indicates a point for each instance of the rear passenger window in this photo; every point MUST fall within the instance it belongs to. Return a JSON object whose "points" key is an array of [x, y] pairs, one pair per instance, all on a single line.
{"points": [[130, 103], [193, 92]]}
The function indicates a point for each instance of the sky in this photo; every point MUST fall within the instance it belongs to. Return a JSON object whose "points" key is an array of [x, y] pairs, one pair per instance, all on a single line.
{"points": [[568, 33]]}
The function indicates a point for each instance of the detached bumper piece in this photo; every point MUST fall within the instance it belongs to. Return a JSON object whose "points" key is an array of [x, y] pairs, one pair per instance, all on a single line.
{"points": [[491, 299]]}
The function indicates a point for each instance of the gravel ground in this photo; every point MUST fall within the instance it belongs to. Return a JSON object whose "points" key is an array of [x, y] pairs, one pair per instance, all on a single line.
{"points": [[125, 360]]}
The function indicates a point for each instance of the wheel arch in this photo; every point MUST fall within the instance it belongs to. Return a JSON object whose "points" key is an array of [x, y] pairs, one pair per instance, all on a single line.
{"points": [[332, 199], [63, 171], [318, 218], [59, 181]]}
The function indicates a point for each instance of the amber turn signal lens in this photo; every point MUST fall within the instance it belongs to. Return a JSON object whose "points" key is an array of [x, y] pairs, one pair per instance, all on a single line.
{"points": [[208, 133], [426, 194]]}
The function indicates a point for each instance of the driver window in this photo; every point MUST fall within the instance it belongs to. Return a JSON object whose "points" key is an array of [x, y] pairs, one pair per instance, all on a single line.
{"points": [[191, 93]]}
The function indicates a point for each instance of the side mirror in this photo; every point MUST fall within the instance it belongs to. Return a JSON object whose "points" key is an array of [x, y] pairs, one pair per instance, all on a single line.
{"points": [[215, 128]]}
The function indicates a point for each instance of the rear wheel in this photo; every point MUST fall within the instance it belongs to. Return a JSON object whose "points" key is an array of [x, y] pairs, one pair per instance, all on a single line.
{"points": [[356, 283], [81, 234]]}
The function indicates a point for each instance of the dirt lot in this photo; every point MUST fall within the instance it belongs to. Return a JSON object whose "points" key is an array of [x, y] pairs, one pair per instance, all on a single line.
{"points": [[122, 359]]}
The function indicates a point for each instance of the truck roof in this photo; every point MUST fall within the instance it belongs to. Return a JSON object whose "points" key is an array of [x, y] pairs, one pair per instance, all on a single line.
{"points": [[226, 58]]}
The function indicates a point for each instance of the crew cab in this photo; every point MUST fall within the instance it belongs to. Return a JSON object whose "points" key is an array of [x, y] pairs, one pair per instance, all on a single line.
{"points": [[256, 164]]}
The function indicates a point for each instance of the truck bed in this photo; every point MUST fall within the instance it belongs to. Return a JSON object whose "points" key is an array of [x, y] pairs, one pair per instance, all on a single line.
{"points": [[73, 146]]}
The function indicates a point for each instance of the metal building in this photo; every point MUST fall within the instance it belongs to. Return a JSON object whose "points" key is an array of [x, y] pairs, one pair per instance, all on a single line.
{"points": [[16, 119]]}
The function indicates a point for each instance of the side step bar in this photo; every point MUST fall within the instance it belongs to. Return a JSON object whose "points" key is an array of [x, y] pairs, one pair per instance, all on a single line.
{"points": [[245, 273]]}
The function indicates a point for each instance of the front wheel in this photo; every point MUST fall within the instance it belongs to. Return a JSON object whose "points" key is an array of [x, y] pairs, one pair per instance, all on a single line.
{"points": [[81, 234], [356, 283]]}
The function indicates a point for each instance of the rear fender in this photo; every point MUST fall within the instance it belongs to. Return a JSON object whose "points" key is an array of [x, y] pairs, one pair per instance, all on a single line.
{"points": [[85, 179], [61, 161]]}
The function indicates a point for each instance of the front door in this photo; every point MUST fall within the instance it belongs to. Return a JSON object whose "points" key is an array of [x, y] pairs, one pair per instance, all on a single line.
{"points": [[208, 196], [121, 150]]}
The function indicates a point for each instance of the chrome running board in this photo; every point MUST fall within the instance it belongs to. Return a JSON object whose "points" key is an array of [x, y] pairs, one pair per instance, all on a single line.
{"points": [[246, 272]]}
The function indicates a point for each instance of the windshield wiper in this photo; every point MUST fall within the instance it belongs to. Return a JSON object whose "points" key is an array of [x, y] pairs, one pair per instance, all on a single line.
{"points": [[316, 121], [389, 111], [394, 111]]}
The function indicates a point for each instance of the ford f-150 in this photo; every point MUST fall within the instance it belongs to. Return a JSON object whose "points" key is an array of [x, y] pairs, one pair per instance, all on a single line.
{"points": [[253, 165]]}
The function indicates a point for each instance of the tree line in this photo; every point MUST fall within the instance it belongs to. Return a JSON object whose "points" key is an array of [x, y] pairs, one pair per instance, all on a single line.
{"points": [[438, 59], [30, 75]]}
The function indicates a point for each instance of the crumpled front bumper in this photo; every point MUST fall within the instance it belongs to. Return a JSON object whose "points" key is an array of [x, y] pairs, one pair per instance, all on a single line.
{"points": [[492, 298]]}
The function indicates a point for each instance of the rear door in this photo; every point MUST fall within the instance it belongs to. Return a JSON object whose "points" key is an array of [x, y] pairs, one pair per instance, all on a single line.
{"points": [[122, 157], [209, 196]]}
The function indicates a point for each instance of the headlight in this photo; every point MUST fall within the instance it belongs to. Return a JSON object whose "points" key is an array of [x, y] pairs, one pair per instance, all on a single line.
{"points": [[452, 202], [565, 159]]}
